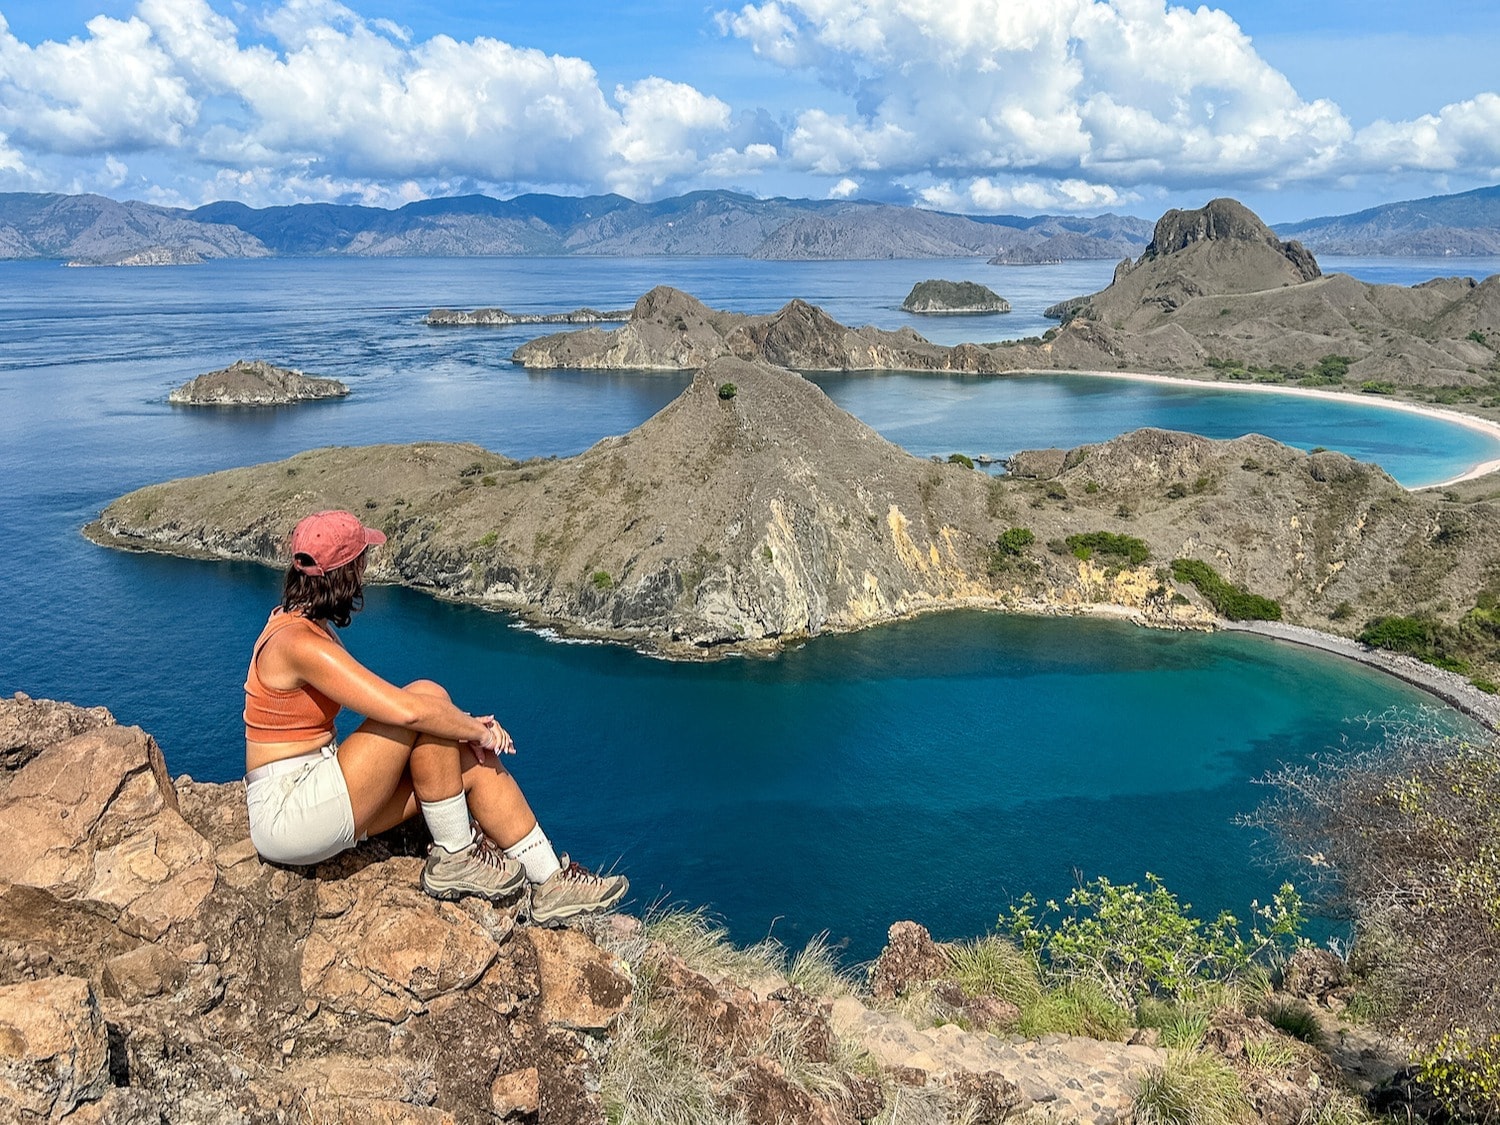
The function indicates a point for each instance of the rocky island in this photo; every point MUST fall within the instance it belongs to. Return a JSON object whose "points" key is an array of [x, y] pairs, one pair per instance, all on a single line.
{"points": [[255, 383], [954, 297], [1215, 295], [499, 318]]}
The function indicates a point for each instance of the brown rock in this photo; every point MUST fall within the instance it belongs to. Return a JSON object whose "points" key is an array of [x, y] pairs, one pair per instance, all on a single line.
{"points": [[986, 1099], [725, 1020], [28, 726], [762, 1092], [516, 1095], [583, 988], [385, 951], [88, 793], [1316, 975], [988, 1012], [909, 957], [54, 1051], [866, 1098]]}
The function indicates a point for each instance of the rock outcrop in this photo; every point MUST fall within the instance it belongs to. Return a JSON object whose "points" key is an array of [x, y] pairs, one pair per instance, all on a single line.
{"points": [[153, 969], [954, 297], [772, 515], [255, 382]]}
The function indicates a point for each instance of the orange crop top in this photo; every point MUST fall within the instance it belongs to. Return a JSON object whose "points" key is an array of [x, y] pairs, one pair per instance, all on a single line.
{"points": [[285, 716]]}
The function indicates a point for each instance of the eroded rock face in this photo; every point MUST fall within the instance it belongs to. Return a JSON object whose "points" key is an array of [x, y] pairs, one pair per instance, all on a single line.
{"points": [[910, 957], [255, 383], [27, 725]]}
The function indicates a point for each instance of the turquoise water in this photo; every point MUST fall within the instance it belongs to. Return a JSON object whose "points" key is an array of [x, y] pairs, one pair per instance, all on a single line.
{"points": [[933, 768]]}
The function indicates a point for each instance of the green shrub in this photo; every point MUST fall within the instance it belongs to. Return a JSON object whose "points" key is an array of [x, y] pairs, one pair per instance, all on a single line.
{"points": [[1489, 687], [728, 391], [1123, 549], [1415, 636], [1184, 1031], [1228, 600], [1463, 1070], [1250, 464], [1091, 487], [488, 539], [1139, 942], [1177, 491], [602, 580], [1191, 1088], [995, 966], [1477, 336], [1341, 612], [1376, 387], [1077, 1007], [960, 459], [1055, 491]]}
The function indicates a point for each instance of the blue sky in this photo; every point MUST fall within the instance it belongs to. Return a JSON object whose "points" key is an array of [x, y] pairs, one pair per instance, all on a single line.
{"points": [[966, 105]]}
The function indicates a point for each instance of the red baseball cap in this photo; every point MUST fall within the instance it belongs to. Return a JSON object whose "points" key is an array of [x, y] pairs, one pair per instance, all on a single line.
{"points": [[325, 541]]}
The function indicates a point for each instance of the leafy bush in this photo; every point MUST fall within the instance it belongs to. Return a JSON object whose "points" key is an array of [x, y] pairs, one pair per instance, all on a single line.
{"points": [[1341, 612], [961, 459], [728, 391], [602, 580], [1009, 546], [1477, 336], [1229, 600], [1376, 387], [1137, 942], [1177, 491], [1123, 549]]}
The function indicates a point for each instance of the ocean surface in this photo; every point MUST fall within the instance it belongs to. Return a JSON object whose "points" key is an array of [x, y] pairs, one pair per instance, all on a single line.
{"points": [[932, 769]]}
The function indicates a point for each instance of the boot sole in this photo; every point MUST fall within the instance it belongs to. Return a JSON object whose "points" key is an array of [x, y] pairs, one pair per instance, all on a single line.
{"points": [[453, 894]]}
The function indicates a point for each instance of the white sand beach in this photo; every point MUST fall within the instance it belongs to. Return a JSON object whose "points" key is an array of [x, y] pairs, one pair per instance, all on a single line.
{"points": [[1457, 417]]}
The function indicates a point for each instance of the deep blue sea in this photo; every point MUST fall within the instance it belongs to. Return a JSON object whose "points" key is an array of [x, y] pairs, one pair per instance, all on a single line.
{"points": [[931, 769]]}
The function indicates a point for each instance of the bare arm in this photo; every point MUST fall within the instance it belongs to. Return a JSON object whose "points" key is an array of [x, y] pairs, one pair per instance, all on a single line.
{"points": [[319, 660]]}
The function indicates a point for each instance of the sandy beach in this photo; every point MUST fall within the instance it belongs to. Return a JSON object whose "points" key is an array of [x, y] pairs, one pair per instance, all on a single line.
{"points": [[1457, 417], [1450, 687]]}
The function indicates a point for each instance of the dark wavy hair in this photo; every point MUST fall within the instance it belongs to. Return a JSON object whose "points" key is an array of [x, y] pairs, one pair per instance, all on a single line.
{"points": [[336, 596]]}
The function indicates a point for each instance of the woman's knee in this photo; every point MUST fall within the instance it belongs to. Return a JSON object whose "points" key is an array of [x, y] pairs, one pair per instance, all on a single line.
{"points": [[428, 687]]}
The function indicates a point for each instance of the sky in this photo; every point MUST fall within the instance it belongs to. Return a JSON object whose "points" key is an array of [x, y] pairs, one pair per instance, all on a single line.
{"points": [[975, 106]]}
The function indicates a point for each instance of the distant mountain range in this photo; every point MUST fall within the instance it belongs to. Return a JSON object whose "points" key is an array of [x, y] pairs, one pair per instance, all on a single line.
{"points": [[94, 230], [1463, 224]]}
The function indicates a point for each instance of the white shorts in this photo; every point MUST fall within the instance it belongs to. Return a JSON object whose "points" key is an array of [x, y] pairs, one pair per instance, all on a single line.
{"points": [[299, 808]]}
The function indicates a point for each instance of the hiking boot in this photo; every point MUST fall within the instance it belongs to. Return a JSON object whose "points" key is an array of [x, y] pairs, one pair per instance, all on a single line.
{"points": [[478, 869], [572, 891]]}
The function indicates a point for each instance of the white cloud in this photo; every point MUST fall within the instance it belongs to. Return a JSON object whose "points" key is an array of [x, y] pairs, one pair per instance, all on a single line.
{"points": [[331, 101], [985, 194], [844, 189], [1129, 91]]}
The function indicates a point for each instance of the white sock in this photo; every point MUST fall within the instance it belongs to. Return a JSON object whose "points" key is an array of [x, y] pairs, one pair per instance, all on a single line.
{"points": [[448, 821], [535, 854]]}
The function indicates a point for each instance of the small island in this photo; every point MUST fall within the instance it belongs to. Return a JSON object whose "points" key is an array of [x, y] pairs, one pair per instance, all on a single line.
{"points": [[954, 297], [255, 382], [499, 318]]}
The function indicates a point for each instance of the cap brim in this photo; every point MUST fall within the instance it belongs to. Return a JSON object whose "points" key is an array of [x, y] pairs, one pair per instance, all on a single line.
{"points": [[373, 536]]}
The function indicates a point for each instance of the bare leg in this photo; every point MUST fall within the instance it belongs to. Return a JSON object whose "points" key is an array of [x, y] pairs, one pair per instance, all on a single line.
{"points": [[389, 770]]}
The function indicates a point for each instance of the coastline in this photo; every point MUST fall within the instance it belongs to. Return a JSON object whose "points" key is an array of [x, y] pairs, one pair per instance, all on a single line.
{"points": [[1450, 687], [1441, 413]]}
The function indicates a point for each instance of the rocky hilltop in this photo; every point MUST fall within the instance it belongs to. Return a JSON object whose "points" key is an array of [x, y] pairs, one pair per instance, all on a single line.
{"points": [[254, 382], [954, 297], [153, 969], [1217, 294], [737, 521]]}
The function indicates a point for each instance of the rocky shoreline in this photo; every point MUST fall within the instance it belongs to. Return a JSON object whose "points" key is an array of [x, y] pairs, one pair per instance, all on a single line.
{"points": [[255, 383]]}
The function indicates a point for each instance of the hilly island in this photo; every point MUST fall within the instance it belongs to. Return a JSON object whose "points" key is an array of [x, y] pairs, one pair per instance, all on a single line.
{"points": [[752, 511]]}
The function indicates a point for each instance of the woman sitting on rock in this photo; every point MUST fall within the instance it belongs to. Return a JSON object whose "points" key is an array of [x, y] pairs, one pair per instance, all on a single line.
{"points": [[311, 797]]}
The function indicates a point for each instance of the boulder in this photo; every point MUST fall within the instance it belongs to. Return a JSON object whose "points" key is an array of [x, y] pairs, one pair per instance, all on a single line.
{"points": [[54, 1050], [27, 725], [910, 957], [583, 988]]}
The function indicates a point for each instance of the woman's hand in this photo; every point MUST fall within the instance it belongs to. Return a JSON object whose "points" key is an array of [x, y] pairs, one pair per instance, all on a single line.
{"points": [[496, 739]]}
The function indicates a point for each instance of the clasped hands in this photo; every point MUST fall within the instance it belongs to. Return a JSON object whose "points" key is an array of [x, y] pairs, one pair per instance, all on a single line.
{"points": [[496, 738]]}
